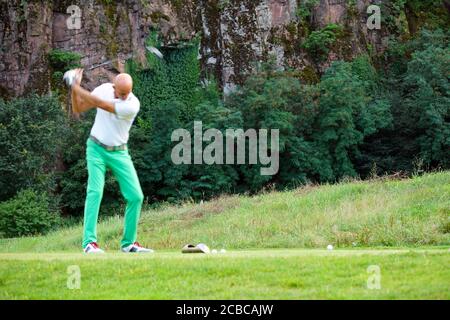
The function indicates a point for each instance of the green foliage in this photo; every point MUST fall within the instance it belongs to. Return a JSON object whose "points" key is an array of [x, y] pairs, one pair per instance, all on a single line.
{"points": [[319, 42], [305, 7], [429, 14], [183, 70], [31, 137], [73, 180], [403, 16], [348, 113], [326, 128], [321, 126], [44, 150], [393, 17], [352, 8], [177, 4], [28, 213], [427, 99], [266, 101], [157, 16], [61, 60], [416, 85]]}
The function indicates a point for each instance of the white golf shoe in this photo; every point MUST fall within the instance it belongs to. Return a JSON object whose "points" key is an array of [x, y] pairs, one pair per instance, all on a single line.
{"points": [[92, 248], [136, 248]]}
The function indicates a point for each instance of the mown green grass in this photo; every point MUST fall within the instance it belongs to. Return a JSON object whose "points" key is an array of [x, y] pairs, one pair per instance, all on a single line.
{"points": [[260, 274], [379, 213]]}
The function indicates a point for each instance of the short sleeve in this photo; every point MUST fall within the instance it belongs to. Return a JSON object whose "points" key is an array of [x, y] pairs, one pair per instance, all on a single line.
{"points": [[127, 110], [102, 90]]}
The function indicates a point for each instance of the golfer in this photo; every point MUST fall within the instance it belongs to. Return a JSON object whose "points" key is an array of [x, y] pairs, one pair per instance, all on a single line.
{"points": [[117, 108]]}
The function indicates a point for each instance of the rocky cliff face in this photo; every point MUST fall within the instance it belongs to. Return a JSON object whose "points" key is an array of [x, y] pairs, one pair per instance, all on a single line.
{"points": [[235, 34]]}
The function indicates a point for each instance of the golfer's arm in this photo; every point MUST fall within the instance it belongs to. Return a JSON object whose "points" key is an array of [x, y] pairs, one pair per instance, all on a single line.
{"points": [[74, 98], [86, 101]]}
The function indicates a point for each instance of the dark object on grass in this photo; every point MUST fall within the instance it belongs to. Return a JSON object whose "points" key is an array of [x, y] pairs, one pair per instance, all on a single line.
{"points": [[200, 248]]}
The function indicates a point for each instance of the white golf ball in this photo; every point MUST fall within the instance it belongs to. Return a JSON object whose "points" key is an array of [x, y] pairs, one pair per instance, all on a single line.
{"points": [[214, 251], [329, 247], [223, 251]]}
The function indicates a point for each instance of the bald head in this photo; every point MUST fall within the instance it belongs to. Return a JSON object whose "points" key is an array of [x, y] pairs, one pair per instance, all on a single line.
{"points": [[123, 84]]}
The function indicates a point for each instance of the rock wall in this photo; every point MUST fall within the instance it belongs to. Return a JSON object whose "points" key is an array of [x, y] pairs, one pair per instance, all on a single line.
{"points": [[109, 29], [236, 34], [25, 37]]}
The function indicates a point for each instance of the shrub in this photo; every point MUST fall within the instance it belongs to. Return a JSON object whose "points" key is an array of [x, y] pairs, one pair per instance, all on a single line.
{"points": [[61, 60], [28, 213], [305, 8], [319, 42]]}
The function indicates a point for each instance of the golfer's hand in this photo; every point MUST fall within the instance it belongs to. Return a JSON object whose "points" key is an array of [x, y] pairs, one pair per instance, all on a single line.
{"points": [[76, 102], [79, 75]]}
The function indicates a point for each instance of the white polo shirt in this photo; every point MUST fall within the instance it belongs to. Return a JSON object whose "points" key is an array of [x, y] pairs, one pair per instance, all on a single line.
{"points": [[113, 129]]}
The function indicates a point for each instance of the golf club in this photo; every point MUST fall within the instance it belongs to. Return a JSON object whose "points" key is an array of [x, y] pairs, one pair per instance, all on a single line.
{"points": [[155, 51], [150, 49]]}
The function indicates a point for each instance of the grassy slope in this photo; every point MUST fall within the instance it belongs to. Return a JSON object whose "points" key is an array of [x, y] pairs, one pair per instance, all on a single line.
{"points": [[396, 213]]}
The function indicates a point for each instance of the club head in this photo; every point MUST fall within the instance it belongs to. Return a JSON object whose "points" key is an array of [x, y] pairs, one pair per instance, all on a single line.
{"points": [[155, 51]]}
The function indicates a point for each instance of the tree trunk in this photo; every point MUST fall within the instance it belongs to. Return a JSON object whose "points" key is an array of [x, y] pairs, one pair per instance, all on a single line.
{"points": [[412, 18], [447, 5]]}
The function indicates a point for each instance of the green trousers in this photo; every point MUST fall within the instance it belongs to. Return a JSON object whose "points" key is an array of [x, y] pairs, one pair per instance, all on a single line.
{"points": [[121, 165]]}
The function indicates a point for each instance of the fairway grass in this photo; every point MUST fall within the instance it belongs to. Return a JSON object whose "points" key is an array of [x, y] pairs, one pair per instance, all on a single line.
{"points": [[249, 274]]}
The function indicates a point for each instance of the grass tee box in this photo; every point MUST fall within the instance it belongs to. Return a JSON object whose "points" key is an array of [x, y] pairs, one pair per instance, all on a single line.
{"points": [[256, 274]]}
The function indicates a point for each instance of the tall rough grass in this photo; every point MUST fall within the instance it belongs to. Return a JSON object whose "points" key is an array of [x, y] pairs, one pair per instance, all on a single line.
{"points": [[381, 212]]}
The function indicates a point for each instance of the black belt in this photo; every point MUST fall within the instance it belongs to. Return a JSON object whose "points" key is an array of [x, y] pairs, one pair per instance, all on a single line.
{"points": [[109, 148]]}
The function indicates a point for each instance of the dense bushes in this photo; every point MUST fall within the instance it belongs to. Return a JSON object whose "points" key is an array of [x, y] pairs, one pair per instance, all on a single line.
{"points": [[32, 133], [416, 84], [427, 98], [28, 213], [320, 125]]}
